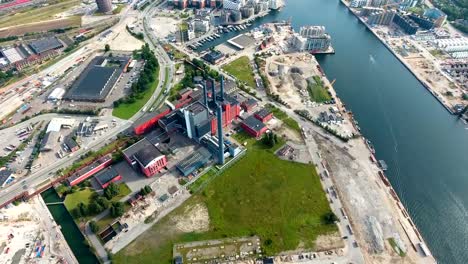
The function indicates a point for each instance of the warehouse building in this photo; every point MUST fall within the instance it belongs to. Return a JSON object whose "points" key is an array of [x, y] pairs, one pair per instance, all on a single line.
{"points": [[89, 170], [46, 44], [144, 156], [98, 79]]}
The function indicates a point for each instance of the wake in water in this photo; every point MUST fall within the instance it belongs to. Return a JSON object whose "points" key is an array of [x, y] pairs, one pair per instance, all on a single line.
{"points": [[371, 58]]}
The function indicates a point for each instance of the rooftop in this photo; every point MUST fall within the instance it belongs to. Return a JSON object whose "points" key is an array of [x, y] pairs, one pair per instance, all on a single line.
{"points": [[262, 113], [253, 123], [90, 167], [45, 44], [143, 151], [106, 175]]}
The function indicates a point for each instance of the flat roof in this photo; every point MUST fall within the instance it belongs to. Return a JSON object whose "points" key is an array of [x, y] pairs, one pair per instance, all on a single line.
{"points": [[12, 55], [96, 81], [253, 123], [242, 41], [143, 151], [45, 44], [106, 175], [196, 108], [4, 176], [194, 160], [70, 142]]}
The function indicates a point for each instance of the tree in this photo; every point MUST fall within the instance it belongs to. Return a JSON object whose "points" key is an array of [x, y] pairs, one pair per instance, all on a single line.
{"points": [[76, 212], [94, 227], [111, 191], [95, 208], [106, 47], [103, 202], [84, 211], [117, 209], [330, 218]]}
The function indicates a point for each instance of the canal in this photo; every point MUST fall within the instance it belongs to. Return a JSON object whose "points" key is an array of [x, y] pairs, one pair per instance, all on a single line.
{"points": [[424, 146], [69, 229]]}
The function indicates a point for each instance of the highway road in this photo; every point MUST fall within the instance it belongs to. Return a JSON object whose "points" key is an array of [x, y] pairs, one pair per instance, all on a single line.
{"points": [[48, 170]]}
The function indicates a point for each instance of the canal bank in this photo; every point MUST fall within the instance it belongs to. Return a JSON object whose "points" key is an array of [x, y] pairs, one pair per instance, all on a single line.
{"points": [[400, 58], [423, 146], [70, 231]]}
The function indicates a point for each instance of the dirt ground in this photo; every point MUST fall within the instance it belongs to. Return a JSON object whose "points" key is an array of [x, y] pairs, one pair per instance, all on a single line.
{"points": [[38, 27], [292, 87], [124, 41], [329, 242], [194, 219], [164, 26]]}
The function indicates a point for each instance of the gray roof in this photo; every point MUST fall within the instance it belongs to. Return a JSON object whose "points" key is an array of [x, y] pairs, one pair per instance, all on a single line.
{"points": [[254, 123], [263, 112], [106, 175], [45, 44], [4, 176], [143, 151]]}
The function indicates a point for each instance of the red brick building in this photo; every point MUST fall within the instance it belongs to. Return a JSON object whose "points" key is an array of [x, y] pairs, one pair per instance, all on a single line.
{"points": [[89, 170], [263, 115], [107, 176], [144, 156], [253, 126]]}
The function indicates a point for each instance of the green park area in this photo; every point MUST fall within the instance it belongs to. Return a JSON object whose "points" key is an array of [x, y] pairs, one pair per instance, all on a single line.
{"points": [[242, 70], [317, 92], [142, 90], [37, 14], [280, 201]]}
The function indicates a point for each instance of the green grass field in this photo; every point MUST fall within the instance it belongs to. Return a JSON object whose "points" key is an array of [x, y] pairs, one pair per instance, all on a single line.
{"points": [[84, 196], [242, 70], [126, 111], [317, 92], [281, 201], [37, 14]]}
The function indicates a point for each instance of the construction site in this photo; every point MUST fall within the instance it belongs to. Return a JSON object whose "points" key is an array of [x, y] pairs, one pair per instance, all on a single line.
{"points": [[28, 234]]}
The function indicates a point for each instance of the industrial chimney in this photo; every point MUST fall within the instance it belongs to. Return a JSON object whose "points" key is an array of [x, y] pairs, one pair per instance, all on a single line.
{"points": [[213, 92], [222, 88], [219, 117], [205, 95]]}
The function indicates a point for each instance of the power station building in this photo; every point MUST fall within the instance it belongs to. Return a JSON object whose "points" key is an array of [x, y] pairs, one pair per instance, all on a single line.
{"points": [[104, 6], [144, 156]]}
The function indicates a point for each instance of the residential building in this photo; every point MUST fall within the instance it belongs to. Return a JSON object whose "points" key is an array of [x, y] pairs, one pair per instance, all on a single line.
{"points": [[423, 22], [437, 16], [407, 25]]}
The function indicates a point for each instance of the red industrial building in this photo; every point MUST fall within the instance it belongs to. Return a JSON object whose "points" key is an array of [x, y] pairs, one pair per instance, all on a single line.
{"points": [[150, 120], [263, 115], [89, 170], [249, 104], [107, 176], [253, 126], [231, 110], [145, 156]]}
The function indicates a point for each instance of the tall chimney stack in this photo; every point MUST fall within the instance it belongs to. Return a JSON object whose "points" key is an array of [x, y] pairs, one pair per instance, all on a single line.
{"points": [[205, 95], [222, 88], [213, 92], [219, 116]]}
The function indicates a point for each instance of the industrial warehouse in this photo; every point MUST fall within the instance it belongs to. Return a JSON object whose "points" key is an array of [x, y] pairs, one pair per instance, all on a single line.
{"points": [[98, 79]]}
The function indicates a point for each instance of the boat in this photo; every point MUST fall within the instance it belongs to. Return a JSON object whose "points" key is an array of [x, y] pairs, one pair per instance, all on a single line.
{"points": [[383, 165], [370, 146]]}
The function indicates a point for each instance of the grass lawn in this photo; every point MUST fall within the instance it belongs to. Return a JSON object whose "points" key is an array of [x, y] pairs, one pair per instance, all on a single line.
{"points": [[281, 201], [194, 187], [317, 91], [288, 121], [36, 14], [126, 111], [123, 191], [242, 70], [108, 219], [84, 196]]}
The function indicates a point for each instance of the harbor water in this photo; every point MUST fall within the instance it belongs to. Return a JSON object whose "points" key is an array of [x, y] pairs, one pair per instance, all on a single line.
{"points": [[424, 146], [70, 231]]}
